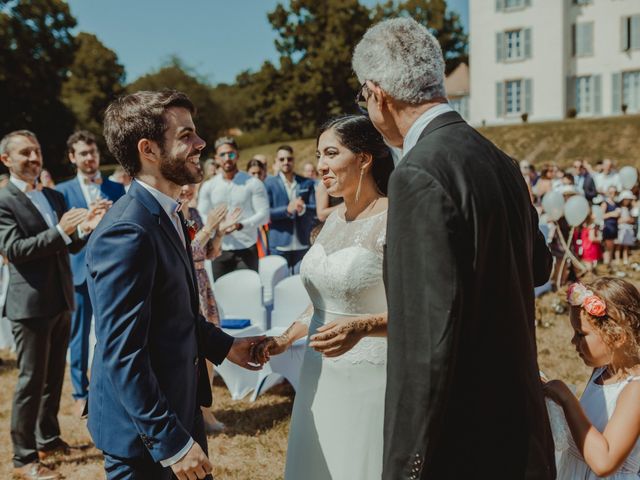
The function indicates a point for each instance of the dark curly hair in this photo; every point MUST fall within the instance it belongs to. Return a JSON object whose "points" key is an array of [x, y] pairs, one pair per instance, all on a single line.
{"points": [[357, 133]]}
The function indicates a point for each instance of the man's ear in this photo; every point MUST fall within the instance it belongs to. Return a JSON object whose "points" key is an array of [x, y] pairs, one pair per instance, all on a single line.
{"points": [[148, 150], [379, 95], [4, 158]]}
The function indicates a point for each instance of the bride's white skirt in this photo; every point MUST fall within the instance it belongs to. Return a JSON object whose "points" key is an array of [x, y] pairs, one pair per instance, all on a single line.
{"points": [[337, 426]]}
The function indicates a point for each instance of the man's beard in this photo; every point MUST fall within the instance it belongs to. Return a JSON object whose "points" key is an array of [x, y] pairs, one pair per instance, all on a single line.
{"points": [[176, 171]]}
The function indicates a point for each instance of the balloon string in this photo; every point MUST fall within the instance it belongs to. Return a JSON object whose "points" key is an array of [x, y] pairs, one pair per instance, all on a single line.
{"points": [[567, 254]]}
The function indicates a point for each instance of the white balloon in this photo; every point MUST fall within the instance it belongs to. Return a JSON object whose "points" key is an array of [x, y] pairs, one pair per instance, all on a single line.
{"points": [[628, 177], [576, 210], [553, 204]]}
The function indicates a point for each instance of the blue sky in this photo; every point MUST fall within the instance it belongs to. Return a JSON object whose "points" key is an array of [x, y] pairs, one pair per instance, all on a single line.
{"points": [[219, 38]]}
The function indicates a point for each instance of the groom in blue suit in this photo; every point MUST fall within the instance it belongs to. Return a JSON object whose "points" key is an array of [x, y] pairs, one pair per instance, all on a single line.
{"points": [[149, 376], [292, 204], [86, 188]]}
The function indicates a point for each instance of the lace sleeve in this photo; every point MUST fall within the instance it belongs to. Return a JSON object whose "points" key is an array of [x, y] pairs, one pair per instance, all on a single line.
{"points": [[306, 316]]}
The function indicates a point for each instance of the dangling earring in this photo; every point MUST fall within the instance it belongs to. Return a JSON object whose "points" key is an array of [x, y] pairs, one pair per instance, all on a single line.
{"points": [[359, 184]]}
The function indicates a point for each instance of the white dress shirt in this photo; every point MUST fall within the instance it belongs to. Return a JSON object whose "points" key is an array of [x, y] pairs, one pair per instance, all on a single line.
{"points": [[170, 207], [90, 191], [413, 135], [42, 205], [245, 192], [290, 188]]}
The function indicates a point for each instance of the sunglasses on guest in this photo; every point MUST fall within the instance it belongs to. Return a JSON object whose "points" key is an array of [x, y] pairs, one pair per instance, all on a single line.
{"points": [[231, 155]]}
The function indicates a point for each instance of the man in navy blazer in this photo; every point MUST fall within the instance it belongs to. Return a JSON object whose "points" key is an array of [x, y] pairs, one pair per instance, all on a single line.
{"points": [[87, 188], [149, 376], [292, 203]]}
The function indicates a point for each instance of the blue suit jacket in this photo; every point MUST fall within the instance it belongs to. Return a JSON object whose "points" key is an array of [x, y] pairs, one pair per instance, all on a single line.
{"points": [[281, 228], [74, 199], [148, 376]]}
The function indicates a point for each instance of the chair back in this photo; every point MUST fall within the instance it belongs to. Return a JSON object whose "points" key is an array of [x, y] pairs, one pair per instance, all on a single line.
{"points": [[290, 299], [272, 269], [239, 294]]}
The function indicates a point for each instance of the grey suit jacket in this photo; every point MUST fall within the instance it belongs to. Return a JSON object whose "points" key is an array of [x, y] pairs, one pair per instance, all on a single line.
{"points": [[40, 282]]}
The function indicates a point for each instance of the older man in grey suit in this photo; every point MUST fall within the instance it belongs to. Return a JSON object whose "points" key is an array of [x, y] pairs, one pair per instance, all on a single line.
{"points": [[464, 253], [36, 235]]}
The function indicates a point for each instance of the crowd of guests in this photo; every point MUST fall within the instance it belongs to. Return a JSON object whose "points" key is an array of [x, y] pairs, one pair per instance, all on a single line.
{"points": [[609, 231]]}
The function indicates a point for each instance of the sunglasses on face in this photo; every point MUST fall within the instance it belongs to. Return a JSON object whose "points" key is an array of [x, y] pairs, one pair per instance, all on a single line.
{"points": [[231, 155], [285, 159], [361, 100]]}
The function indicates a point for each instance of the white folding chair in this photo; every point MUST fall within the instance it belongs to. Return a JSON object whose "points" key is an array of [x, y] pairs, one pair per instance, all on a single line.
{"points": [[290, 299], [239, 293], [272, 269]]}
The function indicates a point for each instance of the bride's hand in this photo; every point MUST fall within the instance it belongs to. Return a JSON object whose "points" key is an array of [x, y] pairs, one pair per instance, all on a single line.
{"points": [[263, 350], [337, 337]]}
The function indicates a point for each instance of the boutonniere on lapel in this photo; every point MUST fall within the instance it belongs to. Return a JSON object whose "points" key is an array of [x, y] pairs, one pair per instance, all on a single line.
{"points": [[192, 228]]}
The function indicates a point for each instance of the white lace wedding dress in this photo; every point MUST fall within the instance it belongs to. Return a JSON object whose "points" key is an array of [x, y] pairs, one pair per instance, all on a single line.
{"points": [[336, 428]]}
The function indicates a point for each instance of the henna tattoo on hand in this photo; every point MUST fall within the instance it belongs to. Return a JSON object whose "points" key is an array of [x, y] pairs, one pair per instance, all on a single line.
{"points": [[363, 325]]}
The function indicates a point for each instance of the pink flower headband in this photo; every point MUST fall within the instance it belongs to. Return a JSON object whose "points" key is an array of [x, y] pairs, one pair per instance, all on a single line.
{"points": [[579, 296]]}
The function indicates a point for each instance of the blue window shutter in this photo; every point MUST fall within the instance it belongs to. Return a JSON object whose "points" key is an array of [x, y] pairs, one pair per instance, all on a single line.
{"points": [[499, 5], [616, 90], [634, 38], [527, 43], [597, 94], [499, 99], [571, 92], [528, 95], [499, 47], [589, 43]]}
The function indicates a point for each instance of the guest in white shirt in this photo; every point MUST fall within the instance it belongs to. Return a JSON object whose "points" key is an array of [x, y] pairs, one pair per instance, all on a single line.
{"points": [[236, 189], [607, 178]]}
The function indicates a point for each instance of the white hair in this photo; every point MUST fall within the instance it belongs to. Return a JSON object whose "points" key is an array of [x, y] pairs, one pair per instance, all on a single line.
{"points": [[403, 58]]}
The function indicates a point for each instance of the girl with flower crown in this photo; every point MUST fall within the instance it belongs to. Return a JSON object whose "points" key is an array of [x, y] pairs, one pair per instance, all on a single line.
{"points": [[605, 423]]}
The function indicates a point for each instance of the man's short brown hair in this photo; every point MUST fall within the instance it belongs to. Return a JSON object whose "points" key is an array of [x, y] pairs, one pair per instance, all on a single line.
{"points": [[80, 136], [130, 118]]}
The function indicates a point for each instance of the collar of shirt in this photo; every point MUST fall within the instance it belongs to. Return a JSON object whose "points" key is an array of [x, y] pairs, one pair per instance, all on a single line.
{"points": [[23, 186], [82, 177], [412, 136], [289, 185], [168, 204]]}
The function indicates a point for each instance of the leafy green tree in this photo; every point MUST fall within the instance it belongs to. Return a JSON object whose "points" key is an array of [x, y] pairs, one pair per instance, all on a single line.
{"points": [[36, 51], [93, 81], [314, 79], [177, 76]]}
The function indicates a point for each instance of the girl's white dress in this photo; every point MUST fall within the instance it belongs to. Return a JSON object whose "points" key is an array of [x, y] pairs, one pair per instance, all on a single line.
{"points": [[598, 402], [337, 423]]}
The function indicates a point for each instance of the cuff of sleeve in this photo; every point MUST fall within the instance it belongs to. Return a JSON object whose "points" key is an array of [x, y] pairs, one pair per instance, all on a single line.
{"points": [[304, 210], [65, 237], [81, 233], [178, 456]]}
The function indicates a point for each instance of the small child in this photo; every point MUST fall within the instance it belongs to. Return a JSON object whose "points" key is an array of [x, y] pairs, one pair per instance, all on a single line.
{"points": [[591, 243], [626, 235], [605, 423]]}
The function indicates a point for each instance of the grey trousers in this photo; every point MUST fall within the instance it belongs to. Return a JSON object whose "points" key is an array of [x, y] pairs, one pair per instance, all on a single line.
{"points": [[41, 345]]}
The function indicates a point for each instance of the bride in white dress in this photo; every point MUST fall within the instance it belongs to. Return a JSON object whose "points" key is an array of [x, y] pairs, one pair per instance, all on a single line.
{"points": [[336, 427]]}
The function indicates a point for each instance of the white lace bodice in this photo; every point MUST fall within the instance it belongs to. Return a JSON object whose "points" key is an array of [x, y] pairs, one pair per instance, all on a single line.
{"points": [[342, 273]]}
